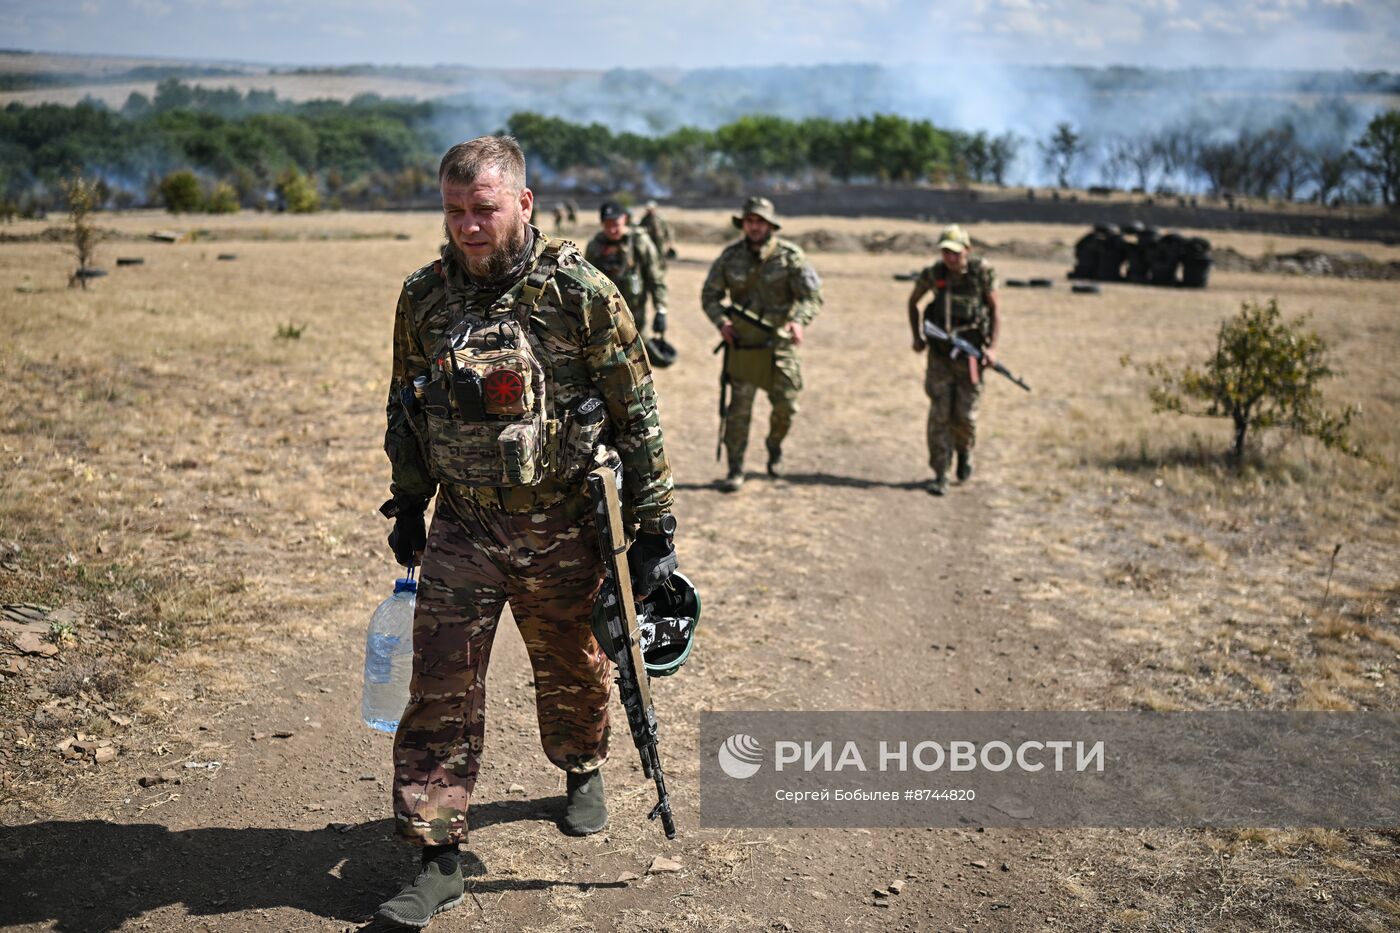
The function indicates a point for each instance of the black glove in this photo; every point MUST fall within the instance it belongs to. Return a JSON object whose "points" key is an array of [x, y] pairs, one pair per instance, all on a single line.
{"points": [[410, 534], [651, 559]]}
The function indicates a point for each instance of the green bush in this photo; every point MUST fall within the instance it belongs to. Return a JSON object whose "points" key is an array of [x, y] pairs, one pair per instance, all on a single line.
{"points": [[223, 199], [180, 192], [298, 192], [1265, 373]]}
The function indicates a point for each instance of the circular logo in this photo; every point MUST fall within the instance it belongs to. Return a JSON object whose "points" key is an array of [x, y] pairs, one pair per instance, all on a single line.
{"points": [[740, 756], [503, 388]]}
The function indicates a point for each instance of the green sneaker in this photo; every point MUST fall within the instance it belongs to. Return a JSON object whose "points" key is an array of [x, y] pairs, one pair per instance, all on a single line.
{"points": [[938, 486], [586, 812], [432, 892]]}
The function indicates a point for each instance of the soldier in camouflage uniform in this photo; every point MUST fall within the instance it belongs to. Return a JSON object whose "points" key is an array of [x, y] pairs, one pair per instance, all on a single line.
{"points": [[625, 254], [773, 294], [506, 457], [964, 304], [660, 232]]}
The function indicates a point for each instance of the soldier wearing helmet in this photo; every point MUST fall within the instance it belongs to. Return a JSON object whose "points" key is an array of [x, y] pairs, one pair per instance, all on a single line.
{"points": [[964, 304]]}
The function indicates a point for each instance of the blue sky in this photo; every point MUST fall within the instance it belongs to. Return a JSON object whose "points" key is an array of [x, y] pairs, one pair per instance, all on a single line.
{"points": [[1302, 34]]}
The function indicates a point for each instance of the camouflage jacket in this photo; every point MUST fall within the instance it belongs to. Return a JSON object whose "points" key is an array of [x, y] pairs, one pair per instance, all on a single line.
{"points": [[660, 232], [776, 283], [589, 346], [633, 265], [967, 291]]}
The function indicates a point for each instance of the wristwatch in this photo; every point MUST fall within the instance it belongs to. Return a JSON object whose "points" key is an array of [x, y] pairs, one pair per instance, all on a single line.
{"points": [[664, 525]]}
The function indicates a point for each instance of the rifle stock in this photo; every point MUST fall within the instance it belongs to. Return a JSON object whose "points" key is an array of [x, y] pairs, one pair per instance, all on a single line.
{"points": [[633, 682]]}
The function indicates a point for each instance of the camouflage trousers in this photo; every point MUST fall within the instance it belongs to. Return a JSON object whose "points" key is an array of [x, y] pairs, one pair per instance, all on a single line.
{"points": [[547, 565], [952, 413], [787, 386]]}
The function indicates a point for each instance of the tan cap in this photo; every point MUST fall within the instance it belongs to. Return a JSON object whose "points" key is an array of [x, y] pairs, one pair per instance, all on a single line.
{"points": [[760, 207], [954, 238]]}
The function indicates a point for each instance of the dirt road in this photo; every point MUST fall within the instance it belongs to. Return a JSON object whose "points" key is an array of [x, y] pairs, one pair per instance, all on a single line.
{"points": [[841, 586]]}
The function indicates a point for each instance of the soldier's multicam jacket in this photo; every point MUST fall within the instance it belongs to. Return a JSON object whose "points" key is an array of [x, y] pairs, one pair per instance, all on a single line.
{"points": [[584, 336], [776, 283], [633, 265], [966, 290]]}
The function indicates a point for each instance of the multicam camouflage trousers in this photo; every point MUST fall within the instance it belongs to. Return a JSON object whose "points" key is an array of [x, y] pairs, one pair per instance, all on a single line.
{"points": [[952, 413], [547, 565], [787, 386]]}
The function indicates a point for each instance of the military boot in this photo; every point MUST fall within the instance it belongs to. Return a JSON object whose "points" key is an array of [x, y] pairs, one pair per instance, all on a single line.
{"points": [[775, 460], [433, 891], [964, 465], [586, 812], [938, 485], [735, 480]]}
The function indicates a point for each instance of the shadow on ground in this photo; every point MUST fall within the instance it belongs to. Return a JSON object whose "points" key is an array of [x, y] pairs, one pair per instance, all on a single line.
{"points": [[93, 875], [808, 479]]}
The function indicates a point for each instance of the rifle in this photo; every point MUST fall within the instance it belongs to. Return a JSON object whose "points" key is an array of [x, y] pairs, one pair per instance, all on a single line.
{"points": [[615, 601], [961, 345], [723, 397]]}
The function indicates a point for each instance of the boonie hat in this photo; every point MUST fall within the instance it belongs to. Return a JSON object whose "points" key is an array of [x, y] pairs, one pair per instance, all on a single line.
{"points": [[611, 210], [760, 207], [954, 239]]}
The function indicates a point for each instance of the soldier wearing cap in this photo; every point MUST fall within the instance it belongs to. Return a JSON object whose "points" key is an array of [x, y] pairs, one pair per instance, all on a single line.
{"points": [[964, 304], [660, 232], [761, 293], [626, 255]]}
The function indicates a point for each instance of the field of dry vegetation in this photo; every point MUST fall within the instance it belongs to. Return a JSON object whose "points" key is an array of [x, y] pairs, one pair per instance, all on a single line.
{"points": [[189, 551]]}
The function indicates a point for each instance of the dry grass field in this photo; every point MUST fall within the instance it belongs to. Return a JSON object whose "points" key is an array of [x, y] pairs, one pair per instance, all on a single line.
{"points": [[192, 463]]}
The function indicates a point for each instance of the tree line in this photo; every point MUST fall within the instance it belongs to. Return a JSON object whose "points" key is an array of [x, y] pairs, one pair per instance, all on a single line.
{"points": [[195, 148], [1277, 161]]}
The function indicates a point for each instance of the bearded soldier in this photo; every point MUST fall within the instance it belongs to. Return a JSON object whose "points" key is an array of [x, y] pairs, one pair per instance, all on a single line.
{"points": [[964, 304], [514, 359], [660, 232], [625, 254], [773, 294]]}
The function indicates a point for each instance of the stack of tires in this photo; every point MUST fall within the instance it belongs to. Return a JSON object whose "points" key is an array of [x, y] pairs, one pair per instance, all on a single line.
{"points": [[1196, 263], [1150, 257]]}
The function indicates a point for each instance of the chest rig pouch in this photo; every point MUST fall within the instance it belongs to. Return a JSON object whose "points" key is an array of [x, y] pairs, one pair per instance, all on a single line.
{"points": [[958, 305], [486, 402]]}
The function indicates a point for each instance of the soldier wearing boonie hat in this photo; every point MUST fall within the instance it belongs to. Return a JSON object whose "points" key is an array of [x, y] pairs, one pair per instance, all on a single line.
{"points": [[965, 305], [761, 293]]}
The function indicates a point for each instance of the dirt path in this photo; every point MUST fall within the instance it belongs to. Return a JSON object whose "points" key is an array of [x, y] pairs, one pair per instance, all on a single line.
{"points": [[841, 586]]}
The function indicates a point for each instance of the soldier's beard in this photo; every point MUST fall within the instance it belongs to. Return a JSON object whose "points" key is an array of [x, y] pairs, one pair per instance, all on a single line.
{"points": [[504, 258]]}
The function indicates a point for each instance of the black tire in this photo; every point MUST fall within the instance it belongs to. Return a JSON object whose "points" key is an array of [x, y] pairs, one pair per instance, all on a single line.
{"points": [[1042, 283], [1084, 288], [1017, 283], [90, 273], [130, 261], [227, 257]]}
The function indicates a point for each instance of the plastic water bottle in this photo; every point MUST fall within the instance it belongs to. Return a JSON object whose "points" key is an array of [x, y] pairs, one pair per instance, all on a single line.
{"points": [[389, 658]]}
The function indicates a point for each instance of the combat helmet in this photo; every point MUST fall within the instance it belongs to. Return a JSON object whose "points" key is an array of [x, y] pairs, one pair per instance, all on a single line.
{"points": [[660, 351], [666, 620]]}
